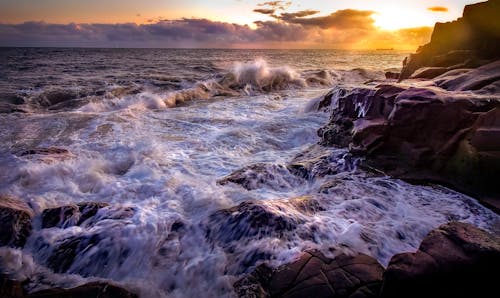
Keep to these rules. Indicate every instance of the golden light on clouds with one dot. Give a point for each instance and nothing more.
(438, 9)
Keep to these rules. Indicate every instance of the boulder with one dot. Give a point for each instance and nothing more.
(455, 260)
(15, 221)
(314, 275)
(10, 288)
(473, 39)
(70, 215)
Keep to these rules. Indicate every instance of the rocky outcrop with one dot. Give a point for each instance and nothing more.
(15, 221)
(314, 275)
(471, 41)
(455, 260)
(431, 132)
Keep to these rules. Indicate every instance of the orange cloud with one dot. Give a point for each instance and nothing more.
(438, 9)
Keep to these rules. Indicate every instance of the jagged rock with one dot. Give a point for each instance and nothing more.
(15, 221)
(455, 260)
(262, 175)
(424, 133)
(66, 216)
(93, 289)
(318, 161)
(258, 219)
(470, 41)
(314, 275)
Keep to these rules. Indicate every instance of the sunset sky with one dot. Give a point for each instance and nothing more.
(353, 24)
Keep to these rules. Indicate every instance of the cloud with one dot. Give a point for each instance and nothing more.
(341, 29)
(282, 5)
(341, 19)
(438, 9)
(264, 11)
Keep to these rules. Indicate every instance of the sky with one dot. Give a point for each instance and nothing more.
(352, 24)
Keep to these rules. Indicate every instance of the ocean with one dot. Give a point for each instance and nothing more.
(152, 132)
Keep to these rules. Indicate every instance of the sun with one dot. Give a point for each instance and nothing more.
(394, 18)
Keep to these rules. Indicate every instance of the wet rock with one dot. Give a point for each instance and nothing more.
(10, 288)
(250, 220)
(472, 40)
(44, 151)
(318, 161)
(262, 175)
(314, 275)
(424, 133)
(259, 219)
(15, 221)
(390, 75)
(455, 260)
(70, 215)
(93, 289)
(429, 72)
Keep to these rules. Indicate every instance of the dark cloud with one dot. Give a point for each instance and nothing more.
(341, 19)
(438, 9)
(264, 11)
(299, 14)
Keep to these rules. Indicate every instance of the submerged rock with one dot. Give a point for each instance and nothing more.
(70, 215)
(262, 175)
(455, 260)
(15, 221)
(470, 41)
(314, 275)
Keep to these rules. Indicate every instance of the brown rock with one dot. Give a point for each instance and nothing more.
(10, 288)
(94, 289)
(455, 260)
(314, 275)
(70, 215)
(15, 221)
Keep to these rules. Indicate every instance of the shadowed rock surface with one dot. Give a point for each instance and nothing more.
(455, 260)
(15, 221)
(471, 41)
(314, 275)
(70, 215)
(10, 288)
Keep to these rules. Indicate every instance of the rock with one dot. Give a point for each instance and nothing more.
(262, 175)
(314, 275)
(258, 219)
(428, 72)
(15, 221)
(70, 215)
(93, 289)
(390, 75)
(472, 40)
(44, 151)
(10, 288)
(425, 133)
(318, 161)
(455, 260)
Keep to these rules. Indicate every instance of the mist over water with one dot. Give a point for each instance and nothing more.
(153, 132)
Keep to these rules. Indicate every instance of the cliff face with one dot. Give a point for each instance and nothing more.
(471, 41)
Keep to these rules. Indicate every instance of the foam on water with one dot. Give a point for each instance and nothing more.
(165, 231)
